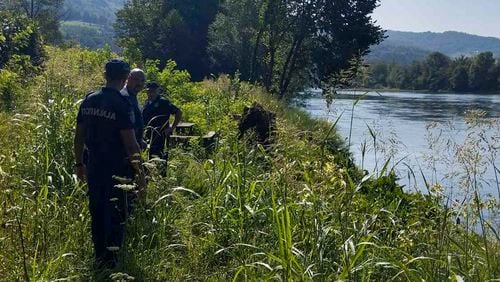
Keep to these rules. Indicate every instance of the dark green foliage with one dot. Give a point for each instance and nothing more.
(19, 41)
(344, 30)
(298, 212)
(165, 30)
(482, 76)
(45, 13)
(437, 72)
(378, 75)
(459, 77)
(384, 188)
(232, 39)
(396, 76)
(287, 44)
(9, 91)
(21, 57)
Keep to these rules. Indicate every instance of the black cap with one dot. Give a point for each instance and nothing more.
(152, 85)
(117, 68)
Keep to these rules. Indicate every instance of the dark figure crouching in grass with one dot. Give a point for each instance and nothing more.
(105, 128)
(156, 114)
(257, 118)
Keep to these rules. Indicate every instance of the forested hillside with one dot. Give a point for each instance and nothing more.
(89, 23)
(387, 53)
(406, 47)
(450, 43)
(101, 12)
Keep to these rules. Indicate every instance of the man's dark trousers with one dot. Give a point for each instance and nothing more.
(158, 141)
(109, 207)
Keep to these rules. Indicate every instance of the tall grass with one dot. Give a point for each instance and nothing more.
(297, 211)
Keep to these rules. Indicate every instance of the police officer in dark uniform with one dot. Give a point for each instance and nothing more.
(105, 128)
(156, 114)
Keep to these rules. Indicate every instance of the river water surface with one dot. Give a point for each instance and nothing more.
(426, 137)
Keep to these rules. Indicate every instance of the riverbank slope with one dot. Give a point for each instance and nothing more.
(299, 210)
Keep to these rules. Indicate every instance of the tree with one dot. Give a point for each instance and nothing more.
(44, 12)
(240, 41)
(459, 76)
(481, 73)
(437, 71)
(417, 74)
(21, 47)
(343, 30)
(459, 80)
(396, 77)
(378, 75)
(168, 30)
(497, 68)
(294, 42)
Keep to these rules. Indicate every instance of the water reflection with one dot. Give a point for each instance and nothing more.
(426, 107)
(402, 122)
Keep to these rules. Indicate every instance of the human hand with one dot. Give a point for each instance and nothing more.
(168, 131)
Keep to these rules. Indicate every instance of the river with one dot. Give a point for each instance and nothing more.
(427, 138)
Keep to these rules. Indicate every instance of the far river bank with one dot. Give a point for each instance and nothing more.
(425, 135)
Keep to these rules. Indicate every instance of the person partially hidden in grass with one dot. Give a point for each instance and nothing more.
(105, 128)
(156, 114)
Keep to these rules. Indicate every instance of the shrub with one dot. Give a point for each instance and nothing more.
(20, 37)
(10, 90)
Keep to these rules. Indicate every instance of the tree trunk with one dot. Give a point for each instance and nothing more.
(253, 64)
(268, 82)
(289, 67)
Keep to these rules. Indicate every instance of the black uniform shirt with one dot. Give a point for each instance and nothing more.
(105, 113)
(156, 113)
(138, 123)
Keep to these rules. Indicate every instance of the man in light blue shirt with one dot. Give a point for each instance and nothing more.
(135, 84)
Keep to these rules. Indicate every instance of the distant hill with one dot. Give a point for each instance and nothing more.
(89, 23)
(399, 54)
(405, 47)
(88, 35)
(101, 12)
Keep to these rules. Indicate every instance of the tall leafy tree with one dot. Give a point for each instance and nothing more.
(21, 47)
(416, 76)
(482, 73)
(459, 74)
(343, 30)
(459, 80)
(378, 75)
(437, 71)
(292, 41)
(45, 12)
(170, 29)
(396, 77)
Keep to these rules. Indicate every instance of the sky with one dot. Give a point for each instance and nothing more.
(481, 17)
